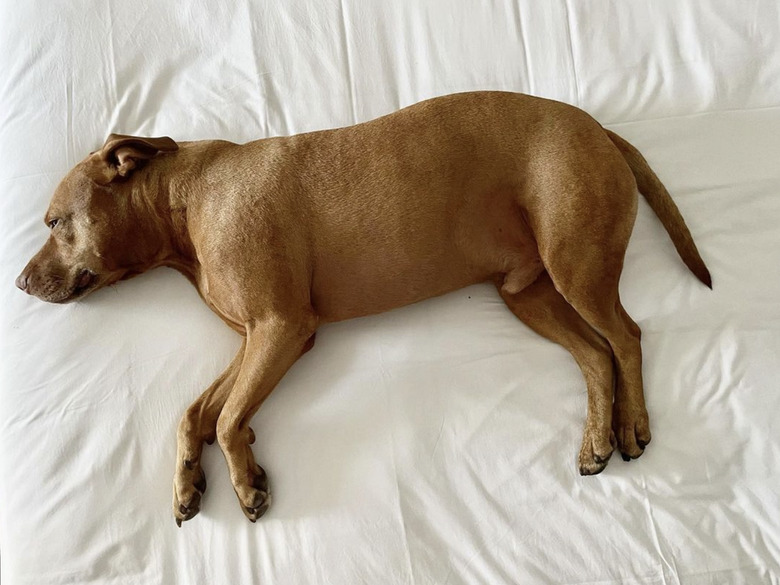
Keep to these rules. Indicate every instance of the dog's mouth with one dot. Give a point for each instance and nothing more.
(85, 281)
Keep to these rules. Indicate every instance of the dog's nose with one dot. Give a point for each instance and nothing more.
(21, 281)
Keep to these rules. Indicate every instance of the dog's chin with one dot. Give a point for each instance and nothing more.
(85, 282)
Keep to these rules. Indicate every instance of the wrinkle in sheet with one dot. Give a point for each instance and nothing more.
(56, 174)
(394, 462)
(438, 439)
(528, 72)
(69, 144)
(346, 50)
(570, 46)
(112, 84)
(497, 404)
(265, 120)
(665, 562)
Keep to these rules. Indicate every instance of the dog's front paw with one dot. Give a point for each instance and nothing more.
(189, 484)
(255, 494)
(632, 429)
(249, 480)
(597, 447)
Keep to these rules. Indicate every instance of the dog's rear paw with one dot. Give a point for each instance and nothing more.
(597, 447)
(189, 484)
(632, 429)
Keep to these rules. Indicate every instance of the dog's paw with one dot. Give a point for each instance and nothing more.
(189, 484)
(254, 495)
(597, 447)
(249, 480)
(632, 429)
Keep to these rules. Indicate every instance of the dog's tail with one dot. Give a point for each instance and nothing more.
(661, 203)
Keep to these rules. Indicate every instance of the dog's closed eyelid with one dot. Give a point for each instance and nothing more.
(58, 220)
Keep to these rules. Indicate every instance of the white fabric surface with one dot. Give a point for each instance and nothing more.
(435, 444)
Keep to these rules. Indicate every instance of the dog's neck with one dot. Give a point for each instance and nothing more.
(163, 187)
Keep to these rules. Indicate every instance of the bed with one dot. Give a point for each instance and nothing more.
(435, 444)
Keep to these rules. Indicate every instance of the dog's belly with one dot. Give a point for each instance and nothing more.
(424, 252)
(353, 289)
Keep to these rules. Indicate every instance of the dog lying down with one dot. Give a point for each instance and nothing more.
(283, 234)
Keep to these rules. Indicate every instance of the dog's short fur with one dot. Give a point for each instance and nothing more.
(284, 234)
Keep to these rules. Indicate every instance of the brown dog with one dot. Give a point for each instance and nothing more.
(283, 234)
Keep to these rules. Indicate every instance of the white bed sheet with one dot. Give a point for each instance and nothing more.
(436, 443)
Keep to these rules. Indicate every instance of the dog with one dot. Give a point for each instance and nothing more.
(284, 234)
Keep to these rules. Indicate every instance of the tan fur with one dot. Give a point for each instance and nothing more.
(284, 234)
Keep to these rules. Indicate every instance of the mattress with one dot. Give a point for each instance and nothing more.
(437, 443)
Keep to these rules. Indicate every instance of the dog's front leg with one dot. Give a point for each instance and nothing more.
(272, 346)
(199, 424)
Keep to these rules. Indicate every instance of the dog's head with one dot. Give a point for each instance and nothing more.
(102, 227)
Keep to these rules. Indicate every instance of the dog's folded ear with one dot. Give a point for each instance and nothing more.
(123, 153)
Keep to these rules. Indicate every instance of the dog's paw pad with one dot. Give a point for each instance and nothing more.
(262, 503)
(189, 485)
(255, 495)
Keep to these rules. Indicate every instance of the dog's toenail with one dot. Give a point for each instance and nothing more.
(625, 457)
(178, 522)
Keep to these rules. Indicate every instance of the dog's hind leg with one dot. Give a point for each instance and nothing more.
(607, 315)
(199, 425)
(544, 310)
(586, 269)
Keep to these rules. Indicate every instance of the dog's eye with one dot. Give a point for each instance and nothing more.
(53, 223)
